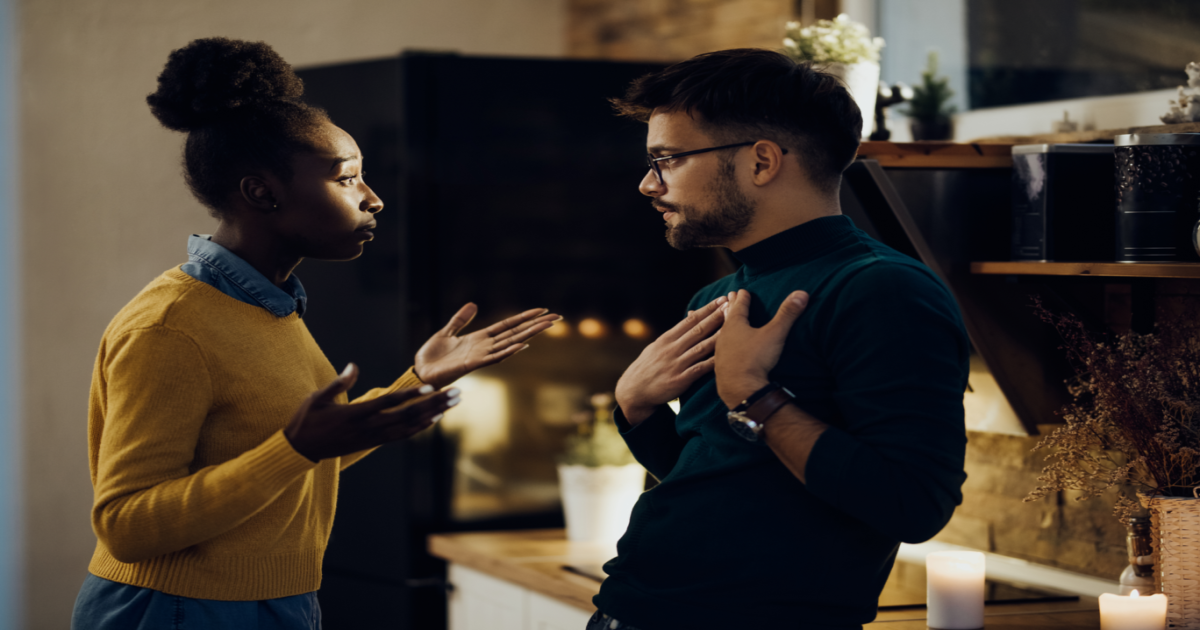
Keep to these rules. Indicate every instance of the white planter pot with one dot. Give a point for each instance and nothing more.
(862, 79)
(597, 501)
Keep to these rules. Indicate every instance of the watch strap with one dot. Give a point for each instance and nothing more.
(767, 404)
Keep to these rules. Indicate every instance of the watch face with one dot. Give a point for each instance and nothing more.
(743, 426)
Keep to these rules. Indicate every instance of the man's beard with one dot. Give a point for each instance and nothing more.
(728, 216)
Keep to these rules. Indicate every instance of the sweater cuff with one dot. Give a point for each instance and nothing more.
(825, 473)
(275, 464)
(407, 380)
(662, 416)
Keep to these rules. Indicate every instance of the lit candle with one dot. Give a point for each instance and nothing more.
(954, 599)
(1133, 612)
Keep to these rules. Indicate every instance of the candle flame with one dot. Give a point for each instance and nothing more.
(1134, 593)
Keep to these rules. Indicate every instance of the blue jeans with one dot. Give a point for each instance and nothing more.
(106, 605)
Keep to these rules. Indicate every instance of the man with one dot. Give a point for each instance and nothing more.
(788, 513)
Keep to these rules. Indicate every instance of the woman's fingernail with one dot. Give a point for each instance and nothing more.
(425, 389)
(454, 392)
(436, 418)
(453, 401)
(346, 372)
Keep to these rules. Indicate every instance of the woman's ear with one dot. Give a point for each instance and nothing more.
(257, 193)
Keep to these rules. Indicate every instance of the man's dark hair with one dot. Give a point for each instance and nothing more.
(239, 102)
(753, 94)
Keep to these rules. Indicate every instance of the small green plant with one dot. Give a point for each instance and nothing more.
(929, 101)
(598, 442)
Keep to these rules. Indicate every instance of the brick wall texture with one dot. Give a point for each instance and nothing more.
(1081, 536)
(672, 30)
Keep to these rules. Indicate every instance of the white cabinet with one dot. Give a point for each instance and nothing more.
(482, 602)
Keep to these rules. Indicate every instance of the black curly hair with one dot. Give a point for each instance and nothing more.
(239, 102)
(751, 94)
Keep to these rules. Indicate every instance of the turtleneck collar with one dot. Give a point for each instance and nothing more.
(807, 241)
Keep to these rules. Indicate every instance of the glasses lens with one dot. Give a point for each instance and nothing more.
(654, 167)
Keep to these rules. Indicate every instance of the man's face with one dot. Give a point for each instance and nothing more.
(700, 197)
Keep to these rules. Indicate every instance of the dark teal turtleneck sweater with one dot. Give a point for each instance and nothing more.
(729, 538)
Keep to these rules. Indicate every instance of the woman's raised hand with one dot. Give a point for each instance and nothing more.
(322, 428)
(447, 356)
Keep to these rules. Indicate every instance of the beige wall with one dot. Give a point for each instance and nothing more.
(104, 209)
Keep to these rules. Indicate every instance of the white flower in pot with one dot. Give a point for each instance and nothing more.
(600, 480)
(845, 49)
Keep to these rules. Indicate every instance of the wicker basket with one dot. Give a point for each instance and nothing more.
(1176, 526)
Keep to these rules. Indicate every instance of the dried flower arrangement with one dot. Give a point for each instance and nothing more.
(1134, 422)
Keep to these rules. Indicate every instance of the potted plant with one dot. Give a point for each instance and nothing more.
(1134, 423)
(599, 478)
(845, 49)
(929, 110)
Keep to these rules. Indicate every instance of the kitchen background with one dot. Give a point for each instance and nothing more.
(92, 204)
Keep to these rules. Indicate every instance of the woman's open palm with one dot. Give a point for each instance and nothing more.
(448, 356)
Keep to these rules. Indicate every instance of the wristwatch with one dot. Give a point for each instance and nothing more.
(748, 418)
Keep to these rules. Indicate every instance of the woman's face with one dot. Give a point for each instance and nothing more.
(327, 211)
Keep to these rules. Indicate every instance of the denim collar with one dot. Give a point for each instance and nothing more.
(228, 267)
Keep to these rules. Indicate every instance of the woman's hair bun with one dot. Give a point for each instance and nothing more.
(211, 78)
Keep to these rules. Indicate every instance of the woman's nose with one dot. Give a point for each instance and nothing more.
(372, 203)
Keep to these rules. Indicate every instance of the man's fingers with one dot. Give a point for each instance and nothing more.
(738, 308)
(791, 309)
(702, 329)
(460, 319)
(693, 318)
(701, 350)
(700, 369)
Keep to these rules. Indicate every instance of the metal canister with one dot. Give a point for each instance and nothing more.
(1158, 197)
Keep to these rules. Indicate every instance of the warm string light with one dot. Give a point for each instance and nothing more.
(594, 328)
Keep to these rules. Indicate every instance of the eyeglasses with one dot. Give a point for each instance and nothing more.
(652, 161)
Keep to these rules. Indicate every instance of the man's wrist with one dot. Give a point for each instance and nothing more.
(732, 394)
(635, 415)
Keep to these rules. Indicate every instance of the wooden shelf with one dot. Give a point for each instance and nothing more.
(937, 154)
(1095, 269)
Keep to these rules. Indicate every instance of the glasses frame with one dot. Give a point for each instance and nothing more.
(652, 161)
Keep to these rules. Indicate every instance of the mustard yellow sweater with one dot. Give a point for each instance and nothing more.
(197, 492)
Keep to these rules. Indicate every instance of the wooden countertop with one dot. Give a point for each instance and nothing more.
(534, 559)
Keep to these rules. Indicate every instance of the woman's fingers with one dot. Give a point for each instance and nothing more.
(392, 400)
(418, 413)
(328, 394)
(461, 319)
(524, 335)
(514, 321)
(510, 333)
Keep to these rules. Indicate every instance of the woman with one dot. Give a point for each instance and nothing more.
(217, 428)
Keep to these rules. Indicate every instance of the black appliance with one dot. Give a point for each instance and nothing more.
(510, 183)
(1158, 197)
(1062, 197)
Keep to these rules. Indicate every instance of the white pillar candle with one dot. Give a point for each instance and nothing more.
(1133, 612)
(954, 596)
